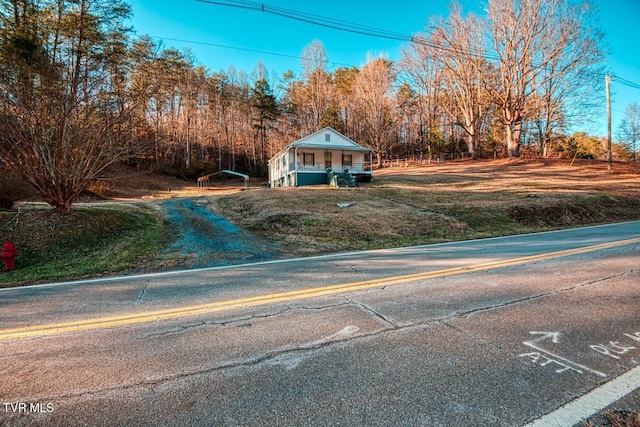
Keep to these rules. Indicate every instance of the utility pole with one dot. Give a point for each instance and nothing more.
(608, 83)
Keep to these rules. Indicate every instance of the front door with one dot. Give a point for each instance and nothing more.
(327, 160)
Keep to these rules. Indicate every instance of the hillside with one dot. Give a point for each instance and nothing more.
(127, 225)
(438, 203)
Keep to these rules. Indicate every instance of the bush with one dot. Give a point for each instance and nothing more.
(12, 189)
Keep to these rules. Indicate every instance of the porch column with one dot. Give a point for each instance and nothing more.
(295, 166)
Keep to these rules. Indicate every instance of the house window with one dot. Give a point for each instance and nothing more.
(327, 137)
(327, 160)
(347, 160)
(308, 159)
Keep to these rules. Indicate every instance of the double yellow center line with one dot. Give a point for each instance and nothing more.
(152, 316)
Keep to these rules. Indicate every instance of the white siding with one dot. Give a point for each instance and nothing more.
(278, 168)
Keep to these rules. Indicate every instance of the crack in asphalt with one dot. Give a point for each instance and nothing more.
(259, 359)
(12, 355)
(376, 314)
(208, 323)
(142, 293)
(239, 322)
(467, 314)
(470, 313)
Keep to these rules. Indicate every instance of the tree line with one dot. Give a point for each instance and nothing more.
(78, 93)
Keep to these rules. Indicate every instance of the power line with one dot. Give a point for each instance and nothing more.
(311, 19)
(357, 29)
(242, 49)
(625, 82)
(344, 26)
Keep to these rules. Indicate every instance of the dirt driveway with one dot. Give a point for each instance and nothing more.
(205, 239)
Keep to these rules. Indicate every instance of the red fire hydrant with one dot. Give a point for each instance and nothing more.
(9, 254)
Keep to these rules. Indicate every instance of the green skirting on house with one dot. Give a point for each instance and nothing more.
(306, 178)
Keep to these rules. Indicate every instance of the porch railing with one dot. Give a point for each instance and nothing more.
(320, 167)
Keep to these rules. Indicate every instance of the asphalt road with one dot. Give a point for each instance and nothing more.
(539, 329)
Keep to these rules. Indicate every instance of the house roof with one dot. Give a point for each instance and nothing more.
(339, 142)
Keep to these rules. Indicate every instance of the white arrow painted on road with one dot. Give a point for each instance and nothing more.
(544, 335)
(554, 337)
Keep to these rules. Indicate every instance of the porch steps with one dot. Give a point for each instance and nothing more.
(341, 179)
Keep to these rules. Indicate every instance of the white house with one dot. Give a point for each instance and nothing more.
(311, 159)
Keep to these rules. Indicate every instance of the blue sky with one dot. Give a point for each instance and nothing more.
(260, 34)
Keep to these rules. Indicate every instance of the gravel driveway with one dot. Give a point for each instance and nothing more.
(206, 239)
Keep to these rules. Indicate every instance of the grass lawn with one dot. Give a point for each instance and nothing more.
(88, 242)
(438, 203)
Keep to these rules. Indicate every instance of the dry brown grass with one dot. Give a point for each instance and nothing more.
(440, 202)
(614, 419)
(539, 176)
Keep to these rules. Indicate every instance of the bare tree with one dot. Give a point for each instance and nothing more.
(518, 29)
(373, 90)
(461, 57)
(424, 75)
(629, 129)
(570, 85)
(65, 108)
(408, 121)
(314, 97)
(314, 58)
(537, 42)
(344, 82)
